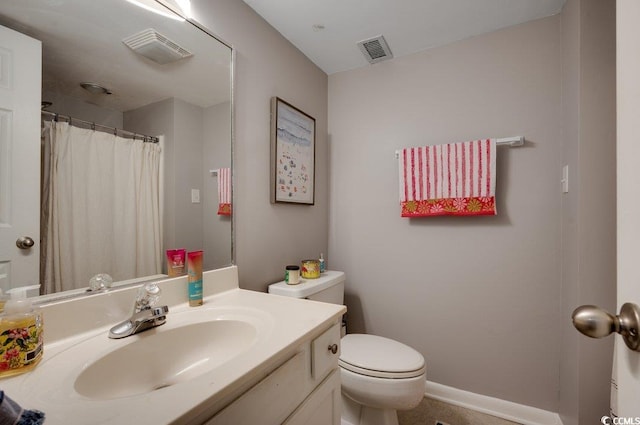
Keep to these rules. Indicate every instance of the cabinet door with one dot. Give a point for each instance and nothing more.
(271, 400)
(322, 407)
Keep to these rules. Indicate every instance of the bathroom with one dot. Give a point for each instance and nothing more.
(487, 300)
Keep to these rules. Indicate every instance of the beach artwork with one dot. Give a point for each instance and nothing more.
(293, 150)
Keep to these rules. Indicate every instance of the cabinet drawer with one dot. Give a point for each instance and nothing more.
(325, 351)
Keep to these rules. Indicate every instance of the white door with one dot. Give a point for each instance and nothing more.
(20, 97)
(628, 192)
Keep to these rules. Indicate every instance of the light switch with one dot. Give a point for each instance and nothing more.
(195, 196)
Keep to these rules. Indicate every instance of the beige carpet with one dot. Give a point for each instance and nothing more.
(429, 411)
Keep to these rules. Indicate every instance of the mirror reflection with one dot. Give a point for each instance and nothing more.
(115, 143)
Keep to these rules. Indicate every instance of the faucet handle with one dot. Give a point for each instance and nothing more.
(148, 296)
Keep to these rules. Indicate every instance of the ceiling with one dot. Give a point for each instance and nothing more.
(409, 26)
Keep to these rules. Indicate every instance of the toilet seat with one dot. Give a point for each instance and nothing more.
(379, 357)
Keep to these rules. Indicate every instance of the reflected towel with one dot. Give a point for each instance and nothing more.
(12, 414)
(450, 179)
(224, 191)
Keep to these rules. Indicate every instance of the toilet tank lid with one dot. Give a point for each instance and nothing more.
(379, 354)
(308, 287)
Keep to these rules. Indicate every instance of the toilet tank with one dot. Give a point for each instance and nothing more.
(328, 288)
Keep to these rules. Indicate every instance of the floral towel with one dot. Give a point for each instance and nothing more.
(451, 179)
(224, 191)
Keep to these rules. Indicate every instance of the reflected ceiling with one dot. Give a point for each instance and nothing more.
(72, 37)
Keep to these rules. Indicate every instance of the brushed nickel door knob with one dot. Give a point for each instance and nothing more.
(594, 322)
(25, 242)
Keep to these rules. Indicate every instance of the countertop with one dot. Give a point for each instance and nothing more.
(285, 324)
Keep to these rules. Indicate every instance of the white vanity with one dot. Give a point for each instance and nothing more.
(244, 357)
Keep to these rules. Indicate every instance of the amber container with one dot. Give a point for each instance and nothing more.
(310, 269)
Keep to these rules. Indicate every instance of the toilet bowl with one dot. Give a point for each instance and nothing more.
(379, 375)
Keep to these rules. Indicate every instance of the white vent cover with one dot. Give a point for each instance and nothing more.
(155, 46)
(375, 49)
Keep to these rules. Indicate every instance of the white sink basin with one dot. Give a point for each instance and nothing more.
(165, 357)
(194, 347)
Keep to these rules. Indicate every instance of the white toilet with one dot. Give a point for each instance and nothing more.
(379, 375)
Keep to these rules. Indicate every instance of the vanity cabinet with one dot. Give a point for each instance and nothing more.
(273, 360)
(304, 390)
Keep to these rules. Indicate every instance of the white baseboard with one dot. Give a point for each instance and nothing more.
(510, 411)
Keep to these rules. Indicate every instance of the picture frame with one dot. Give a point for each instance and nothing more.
(293, 134)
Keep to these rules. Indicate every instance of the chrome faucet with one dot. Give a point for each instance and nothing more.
(145, 315)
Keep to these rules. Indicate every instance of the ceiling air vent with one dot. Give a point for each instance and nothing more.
(375, 49)
(155, 46)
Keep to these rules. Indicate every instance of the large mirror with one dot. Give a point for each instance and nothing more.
(115, 142)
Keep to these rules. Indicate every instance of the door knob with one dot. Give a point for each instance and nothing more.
(597, 323)
(25, 242)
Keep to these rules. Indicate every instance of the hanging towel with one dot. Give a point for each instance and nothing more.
(450, 179)
(224, 191)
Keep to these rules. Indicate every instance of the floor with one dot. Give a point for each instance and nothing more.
(429, 411)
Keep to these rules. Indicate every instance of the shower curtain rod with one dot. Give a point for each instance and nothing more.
(116, 131)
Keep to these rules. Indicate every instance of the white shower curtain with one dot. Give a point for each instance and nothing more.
(102, 212)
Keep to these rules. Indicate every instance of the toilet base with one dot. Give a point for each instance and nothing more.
(357, 414)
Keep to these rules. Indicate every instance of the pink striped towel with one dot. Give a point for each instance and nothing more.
(224, 191)
(451, 179)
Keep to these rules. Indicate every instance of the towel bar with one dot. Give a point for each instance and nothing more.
(512, 142)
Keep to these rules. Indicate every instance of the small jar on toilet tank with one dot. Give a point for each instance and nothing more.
(292, 275)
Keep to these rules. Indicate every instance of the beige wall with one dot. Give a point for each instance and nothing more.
(268, 237)
(216, 154)
(183, 125)
(589, 209)
(188, 162)
(478, 296)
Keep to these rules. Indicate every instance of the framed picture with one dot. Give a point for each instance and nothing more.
(293, 137)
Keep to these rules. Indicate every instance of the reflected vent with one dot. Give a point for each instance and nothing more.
(155, 46)
(375, 49)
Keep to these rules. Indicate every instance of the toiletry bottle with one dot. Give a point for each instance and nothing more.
(176, 260)
(194, 272)
(21, 343)
(322, 266)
